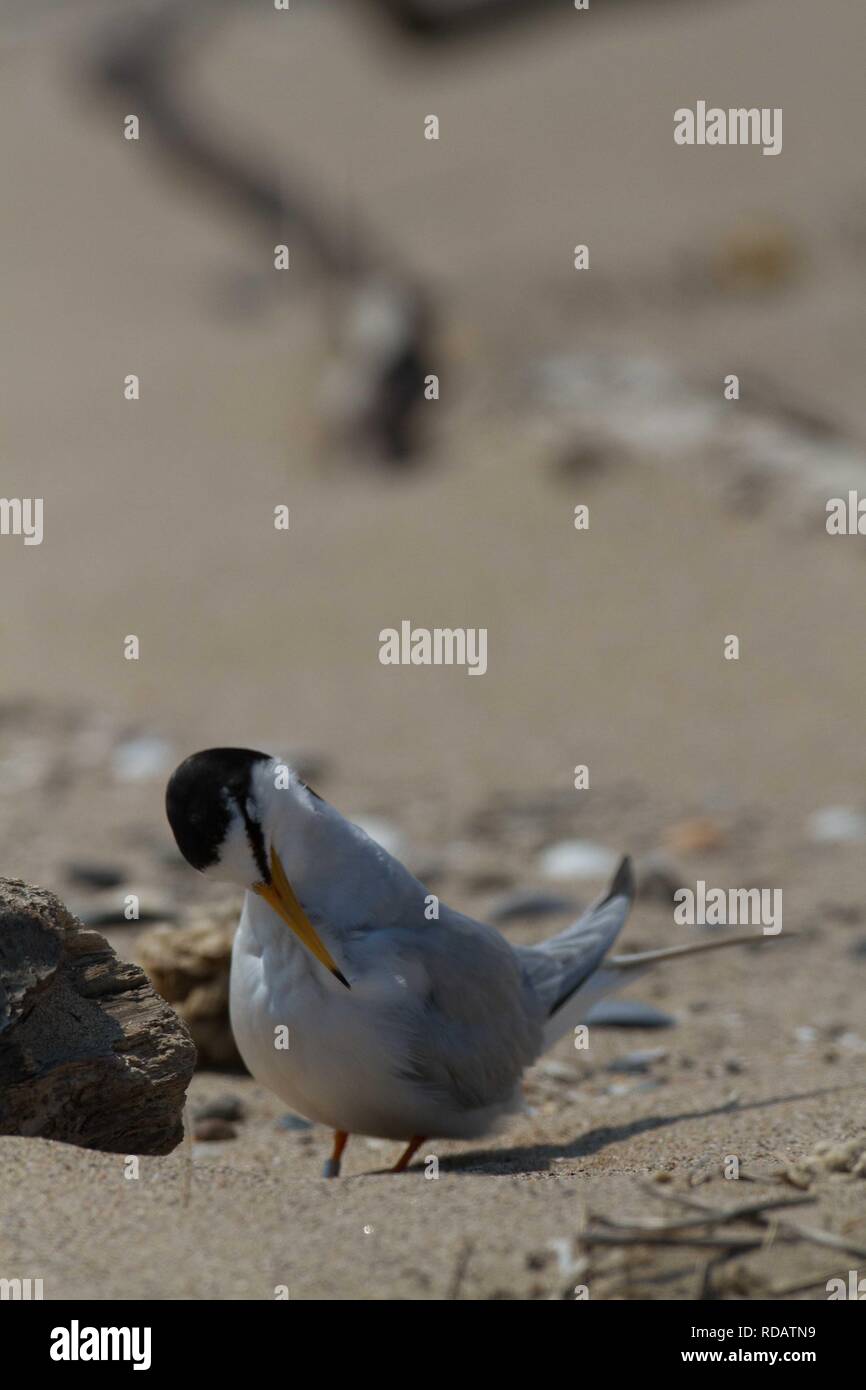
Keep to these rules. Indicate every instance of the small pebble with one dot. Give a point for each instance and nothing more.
(638, 1062)
(293, 1123)
(568, 1265)
(695, 836)
(756, 256)
(95, 875)
(537, 1261)
(222, 1108)
(206, 1131)
(583, 458)
(557, 1070)
(850, 914)
(627, 1013)
(837, 825)
(701, 1176)
(141, 759)
(578, 859)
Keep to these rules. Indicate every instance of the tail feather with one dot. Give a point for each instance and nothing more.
(570, 973)
(557, 968)
(598, 928)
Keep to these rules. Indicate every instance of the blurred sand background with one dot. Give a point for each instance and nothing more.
(605, 647)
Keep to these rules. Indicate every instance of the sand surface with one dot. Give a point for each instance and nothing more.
(605, 647)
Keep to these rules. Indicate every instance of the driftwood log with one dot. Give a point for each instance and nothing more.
(89, 1053)
(373, 394)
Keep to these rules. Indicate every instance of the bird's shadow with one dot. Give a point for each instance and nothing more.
(537, 1158)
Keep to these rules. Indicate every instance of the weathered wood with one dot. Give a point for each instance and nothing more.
(89, 1053)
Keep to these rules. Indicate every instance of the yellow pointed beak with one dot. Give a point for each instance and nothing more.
(280, 895)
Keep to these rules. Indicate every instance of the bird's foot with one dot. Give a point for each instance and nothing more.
(408, 1153)
(331, 1168)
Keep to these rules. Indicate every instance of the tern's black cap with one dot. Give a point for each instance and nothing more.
(198, 803)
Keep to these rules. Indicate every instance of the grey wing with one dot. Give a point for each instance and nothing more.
(475, 1029)
(558, 967)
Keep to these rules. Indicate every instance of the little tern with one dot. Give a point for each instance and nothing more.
(349, 998)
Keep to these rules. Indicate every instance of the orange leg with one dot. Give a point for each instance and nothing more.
(332, 1164)
(408, 1154)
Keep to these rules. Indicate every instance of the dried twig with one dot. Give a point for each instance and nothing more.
(759, 1212)
(733, 1243)
(709, 1216)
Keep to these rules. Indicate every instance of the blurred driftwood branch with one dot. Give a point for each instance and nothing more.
(383, 327)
